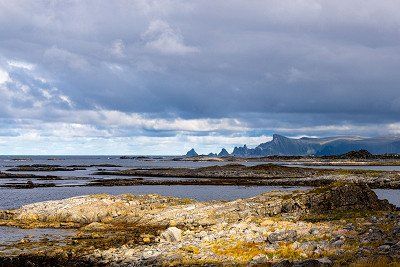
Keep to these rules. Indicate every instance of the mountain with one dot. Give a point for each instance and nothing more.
(223, 153)
(191, 153)
(284, 146)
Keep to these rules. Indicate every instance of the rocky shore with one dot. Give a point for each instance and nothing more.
(339, 224)
(230, 174)
(265, 174)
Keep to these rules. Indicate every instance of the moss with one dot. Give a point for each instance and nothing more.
(287, 251)
(240, 251)
(378, 262)
(191, 249)
(348, 216)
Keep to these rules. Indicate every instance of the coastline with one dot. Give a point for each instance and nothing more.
(322, 226)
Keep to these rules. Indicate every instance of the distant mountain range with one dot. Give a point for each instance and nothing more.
(284, 146)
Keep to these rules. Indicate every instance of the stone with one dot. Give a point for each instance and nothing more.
(150, 254)
(172, 234)
(384, 248)
(287, 236)
(338, 243)
(323, 262)
(95, 226)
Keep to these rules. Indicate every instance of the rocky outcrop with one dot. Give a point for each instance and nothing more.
(337, 224)
(191, 153)
(223, 153)
(284, 146)
(159, 211)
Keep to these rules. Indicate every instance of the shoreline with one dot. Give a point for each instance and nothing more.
(322, 226)
(230, 174)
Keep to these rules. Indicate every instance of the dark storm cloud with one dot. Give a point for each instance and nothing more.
(271, 65)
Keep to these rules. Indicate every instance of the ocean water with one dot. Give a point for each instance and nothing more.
(71, 184)
(341, 167)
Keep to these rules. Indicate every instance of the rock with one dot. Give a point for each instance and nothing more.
(223, 153)
(95, 226)
(287, 236)
(349, 227)
(396, 231)
(284, 263)
(150, 254)
(338, 243)
(172, 234)
(259, 260)
(346, 197)
(323, 262)
(313, 231)
(373, 235)
(191, 153)
(384, 248)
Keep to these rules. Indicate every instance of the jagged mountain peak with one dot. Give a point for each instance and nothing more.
(191, 153)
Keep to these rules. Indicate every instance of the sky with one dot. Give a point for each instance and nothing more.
(160, 77)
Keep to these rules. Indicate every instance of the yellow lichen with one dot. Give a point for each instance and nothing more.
(240, 251)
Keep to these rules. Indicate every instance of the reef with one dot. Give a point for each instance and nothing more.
(339, 224)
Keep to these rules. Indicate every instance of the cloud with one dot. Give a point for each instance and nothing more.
(117, 48)
(164, 39)
(4, 77)
(59, 56)
(173, 73)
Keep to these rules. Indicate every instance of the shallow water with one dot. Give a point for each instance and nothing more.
(9, 235)
(151, 162)
(14, 198)
(372, 168)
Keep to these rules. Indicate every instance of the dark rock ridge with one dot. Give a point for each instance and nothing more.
(191, 153)
(281, 145)
(223, 153)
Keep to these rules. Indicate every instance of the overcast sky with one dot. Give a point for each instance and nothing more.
(160, 77)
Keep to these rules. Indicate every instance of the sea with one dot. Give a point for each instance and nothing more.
(73, 182)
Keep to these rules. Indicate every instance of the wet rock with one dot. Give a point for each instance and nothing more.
(396, 231)
(172, 234)
(346, 197)
(373, 235)
(284, 263)
(324, 262)
(384, 248)
(287, 236)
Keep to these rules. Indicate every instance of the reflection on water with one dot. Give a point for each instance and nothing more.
(393, 195)
(341, 167)
(14, 198)
(9, 235)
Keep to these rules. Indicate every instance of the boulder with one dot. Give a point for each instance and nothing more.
(172, 234)
(287, 236)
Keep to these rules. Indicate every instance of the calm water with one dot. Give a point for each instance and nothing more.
(13, 198)
(373, 168)
(8, 235)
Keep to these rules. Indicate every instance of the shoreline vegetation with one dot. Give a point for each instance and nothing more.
(340, 224)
